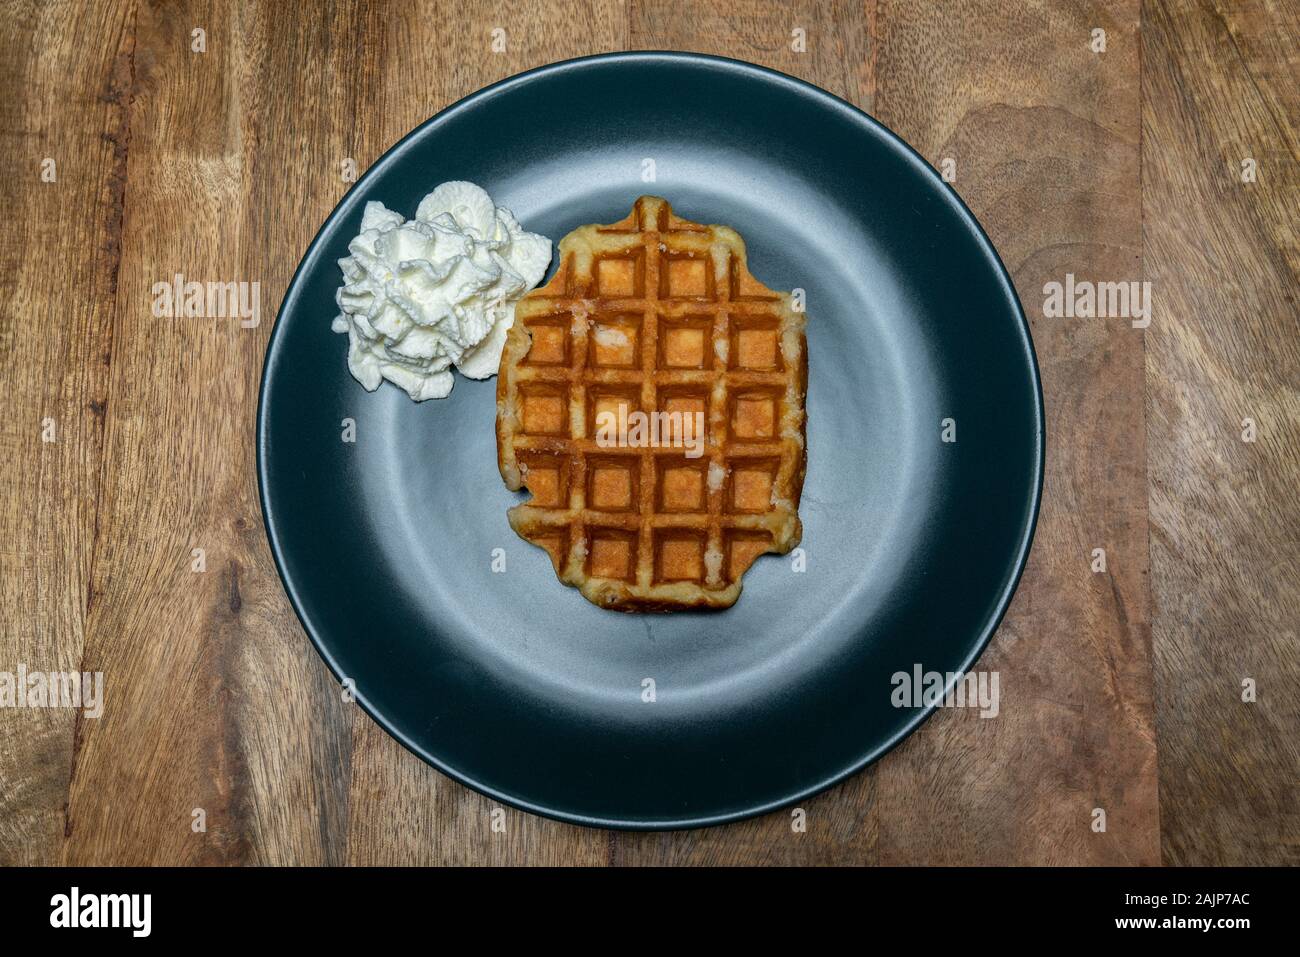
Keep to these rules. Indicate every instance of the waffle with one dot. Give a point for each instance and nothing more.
(654, 314)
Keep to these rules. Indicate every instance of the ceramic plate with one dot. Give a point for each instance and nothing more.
(912, 546)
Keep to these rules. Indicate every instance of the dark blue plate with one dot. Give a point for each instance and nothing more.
(514, 684)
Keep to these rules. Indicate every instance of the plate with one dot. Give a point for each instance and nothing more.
(396, 553)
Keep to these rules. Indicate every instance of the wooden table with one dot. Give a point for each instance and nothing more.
(128, 439)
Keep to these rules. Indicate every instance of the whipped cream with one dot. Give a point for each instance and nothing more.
(439, 290)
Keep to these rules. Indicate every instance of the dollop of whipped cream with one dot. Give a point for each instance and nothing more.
(439, 290)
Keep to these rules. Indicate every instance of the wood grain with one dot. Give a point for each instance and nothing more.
(1075, 732)
(221, 164)
(215, 705)
(1221, 86)
(65, 101)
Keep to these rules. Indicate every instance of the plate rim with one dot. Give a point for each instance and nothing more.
(737, 67)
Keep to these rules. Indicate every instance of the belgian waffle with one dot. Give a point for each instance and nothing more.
(654, 314)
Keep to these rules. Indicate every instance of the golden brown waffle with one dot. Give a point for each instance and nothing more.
(656, 314)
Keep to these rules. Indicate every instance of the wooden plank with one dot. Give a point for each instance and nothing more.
(1045, 136)
(828, 43)
(1222, 85)
(216, 700)
(64, 99)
